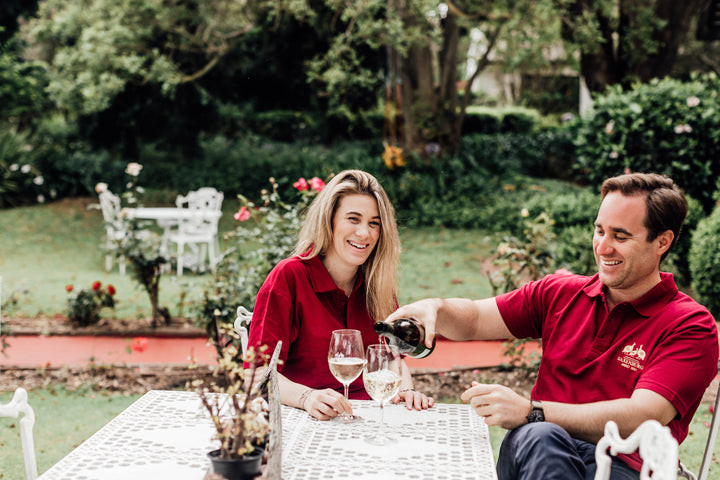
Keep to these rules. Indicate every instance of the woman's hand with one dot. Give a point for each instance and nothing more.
(325, 404)
(413, 399)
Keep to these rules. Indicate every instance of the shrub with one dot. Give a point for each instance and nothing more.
(265, 234)
(519, 120)
(704, 262)
(665, 126)
(481, 120)
(84, 305)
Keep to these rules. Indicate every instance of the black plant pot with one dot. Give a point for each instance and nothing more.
(245, 468)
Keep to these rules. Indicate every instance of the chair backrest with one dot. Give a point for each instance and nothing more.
(274, 464)
(110, 206)
(199, 202)
(19, 404)
(712, 438)
(656, 445)
(242, 325)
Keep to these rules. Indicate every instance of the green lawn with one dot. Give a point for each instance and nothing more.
(63, 420)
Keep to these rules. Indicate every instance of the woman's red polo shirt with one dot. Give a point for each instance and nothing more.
(300, 304)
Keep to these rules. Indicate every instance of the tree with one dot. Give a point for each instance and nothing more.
(622, 41)
(95, 48)
(425, 42)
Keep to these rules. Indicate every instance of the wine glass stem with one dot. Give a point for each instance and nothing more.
(347, 387)
(381, 435)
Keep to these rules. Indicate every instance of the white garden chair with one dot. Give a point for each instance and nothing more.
(115, 229)
(197, 228)
(656, 445)
(709, 446)
(242, 325)
(19, 404)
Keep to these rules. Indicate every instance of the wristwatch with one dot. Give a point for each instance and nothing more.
(536, 414)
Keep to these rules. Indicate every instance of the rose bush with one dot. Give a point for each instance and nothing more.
(84, 306)
(266, 233)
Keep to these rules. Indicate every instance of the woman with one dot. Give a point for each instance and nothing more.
(342, 274)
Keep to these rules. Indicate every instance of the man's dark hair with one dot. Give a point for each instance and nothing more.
(666, 203)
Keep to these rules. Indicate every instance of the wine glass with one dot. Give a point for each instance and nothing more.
(346, 359)
(382, 379)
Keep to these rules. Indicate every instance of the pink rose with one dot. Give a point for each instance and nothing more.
(242, 215)
(301, 184)
(317, 184)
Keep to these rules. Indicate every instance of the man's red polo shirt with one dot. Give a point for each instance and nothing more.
(300, 304)
(664, 342)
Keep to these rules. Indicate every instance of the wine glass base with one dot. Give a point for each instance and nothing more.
(347, 418)
(381, 441)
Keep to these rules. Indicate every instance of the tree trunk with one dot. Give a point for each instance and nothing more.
(679, 15)
(430, 93)
(627, 58)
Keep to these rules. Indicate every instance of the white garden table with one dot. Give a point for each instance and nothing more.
(166, 434)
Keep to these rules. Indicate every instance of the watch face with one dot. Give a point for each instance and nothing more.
(536, 416)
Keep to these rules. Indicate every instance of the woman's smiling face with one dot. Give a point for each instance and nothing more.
(356, 230)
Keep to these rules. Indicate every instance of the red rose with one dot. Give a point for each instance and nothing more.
(317, 184)
(68, 288)
(111, 290)
(140, 344)
(301, 184)
(96, 286)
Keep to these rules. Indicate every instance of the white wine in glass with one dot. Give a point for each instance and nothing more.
(346, 359)
(382, 377)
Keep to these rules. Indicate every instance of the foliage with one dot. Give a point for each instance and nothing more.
(266, 233)
(21, 88)
(522, 260)
(95, 49)
(484, 120)
(84, 305)
(704, 262)
(235, 405)
(21, 182)
(622, 41)
(665, 126)
(425, 39)
(141, 251)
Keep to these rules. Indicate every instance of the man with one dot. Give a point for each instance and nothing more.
(622, 345)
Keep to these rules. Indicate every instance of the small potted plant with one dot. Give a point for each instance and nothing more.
(239, 413)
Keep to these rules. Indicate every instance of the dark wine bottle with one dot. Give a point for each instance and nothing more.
(407, 334)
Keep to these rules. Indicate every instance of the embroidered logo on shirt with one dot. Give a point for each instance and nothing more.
(632, 358)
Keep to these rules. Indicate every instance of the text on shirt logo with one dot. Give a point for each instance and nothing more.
(632, 357)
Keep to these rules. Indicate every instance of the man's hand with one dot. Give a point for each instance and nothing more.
(424, 311)
(498, 405)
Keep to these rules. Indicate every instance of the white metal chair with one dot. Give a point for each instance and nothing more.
(115, 229)
(709, 446)
(198, 228)
(242, 325)
(19, 404)
(656, 445)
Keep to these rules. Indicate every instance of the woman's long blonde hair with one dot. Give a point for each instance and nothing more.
(381, 267)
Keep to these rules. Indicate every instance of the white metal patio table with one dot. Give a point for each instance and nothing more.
(167, 434)
(165, 217)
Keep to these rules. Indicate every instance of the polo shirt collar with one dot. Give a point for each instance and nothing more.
(647, 305)
(320, 278)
